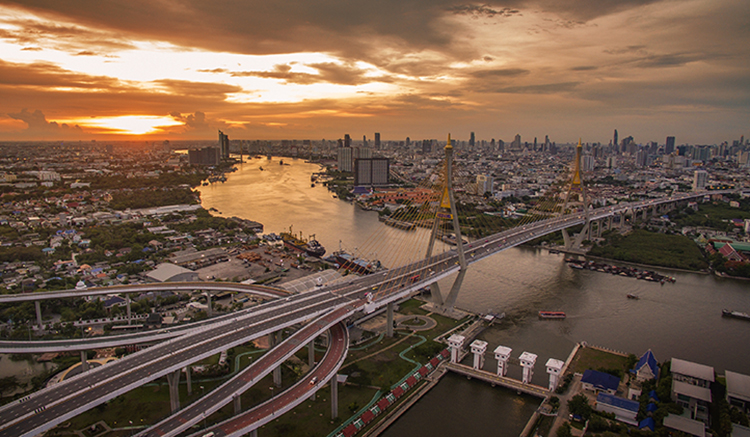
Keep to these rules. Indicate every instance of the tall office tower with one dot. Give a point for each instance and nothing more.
(371, 171)
(484, 184)
(669, 148)
(500, 146)
(471, 140)
(700, 179)
(492, 144)
(516, 145)
(616, 144)
(534, 144)
(364, 140)
(347, 140)
(345, 157)
(640, 158)
(546, 143)
(587, 163)
(408, 142)
(426, 146)
(224, 145)
(377, 140)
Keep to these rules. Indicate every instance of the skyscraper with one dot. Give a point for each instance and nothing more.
(669, 148)
(471, 140)
(614, 142)
(347, 140)
(377, 140)
(224, 145)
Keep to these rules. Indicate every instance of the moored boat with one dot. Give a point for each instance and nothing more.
(551, 315)
(735, 314)
(633, 296)
(310, 246)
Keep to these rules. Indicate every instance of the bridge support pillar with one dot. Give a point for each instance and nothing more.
(127, 306)
(236, 400)
(528, 360)
(335, 397)
(38, 308)
(478, 348)
(189, 380)
(209, 310)
(502, 354)
(389, 321)
(455, 342)
(311, 353)
(84, 362)
(273, 340)
(174, 389)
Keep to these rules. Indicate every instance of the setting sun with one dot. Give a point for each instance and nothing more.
(126, 124)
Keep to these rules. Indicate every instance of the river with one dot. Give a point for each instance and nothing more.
(681, 320)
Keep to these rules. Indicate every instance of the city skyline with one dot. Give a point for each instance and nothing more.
(184, 70)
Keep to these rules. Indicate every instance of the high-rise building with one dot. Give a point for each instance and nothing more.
(640, 158)
(472, 139)
(587, 163)
(347, 140)
(516, 145)
(345, 159)
(371, 171)
(408, 142)
(426, 146)
(224, 145)
(614, 141)
(377, 140)
(205, 156)
(669, 147)
(484, 184)
(700, 180)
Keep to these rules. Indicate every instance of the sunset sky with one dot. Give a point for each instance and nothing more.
(306, 69)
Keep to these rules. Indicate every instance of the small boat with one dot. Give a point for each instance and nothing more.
(551, 315)
(261, 168)
(735, 314)
(633, 296)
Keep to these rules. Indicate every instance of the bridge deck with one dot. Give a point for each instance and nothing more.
(492, 378)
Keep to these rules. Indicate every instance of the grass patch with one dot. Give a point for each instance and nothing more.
(654, 249)
(590, 358)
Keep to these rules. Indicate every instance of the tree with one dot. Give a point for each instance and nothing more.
(564, 430)
(579, 406)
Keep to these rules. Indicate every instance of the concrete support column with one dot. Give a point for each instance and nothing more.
(209, 310)
(253, 433)
(84, 362)
(554, 367)
(389, 320)
(38, 308)
(311, 353)
(273, 340)
(335, 397)
(174, 389)
(189, 380)
(127, 306)
(236, 400)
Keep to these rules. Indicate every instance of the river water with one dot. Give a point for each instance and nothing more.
(681, 320)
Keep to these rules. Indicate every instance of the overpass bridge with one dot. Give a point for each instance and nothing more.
(44, 409)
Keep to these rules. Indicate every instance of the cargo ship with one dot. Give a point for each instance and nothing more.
(735, 314)
(310, 246)
(551, 315)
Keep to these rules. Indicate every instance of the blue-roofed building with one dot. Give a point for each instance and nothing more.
(596, 381)
(647, 367)
(624, 410)
(647, 423)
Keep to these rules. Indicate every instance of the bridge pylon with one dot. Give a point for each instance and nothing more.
(576, 187)
(446, 211)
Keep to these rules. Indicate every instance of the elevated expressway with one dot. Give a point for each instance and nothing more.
(46, 408)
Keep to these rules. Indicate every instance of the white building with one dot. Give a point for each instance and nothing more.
(700, 180)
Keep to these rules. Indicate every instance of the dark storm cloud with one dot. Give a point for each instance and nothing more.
(36, 123)
(328, 72)
(43, 74)
(350, 29)
(69, 38)
(548, 88)
(504, 72)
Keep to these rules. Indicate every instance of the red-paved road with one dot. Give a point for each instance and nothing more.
(264, 413)
(224, 394)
